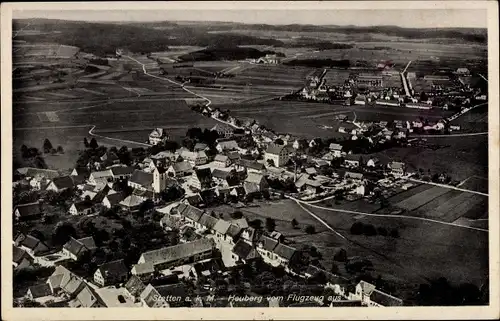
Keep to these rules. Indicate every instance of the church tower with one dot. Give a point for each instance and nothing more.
(159, 179)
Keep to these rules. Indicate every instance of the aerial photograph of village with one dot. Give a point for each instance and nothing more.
(168, 160)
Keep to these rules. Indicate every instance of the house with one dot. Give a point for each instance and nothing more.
(30, 172)
(121, 172)
(179, 254)
(87, 298)
(207, 269)
(351, 161)
(82, 208)
(206, 222)
(336, 149)
(65, 281)
(227, 145)
(171, 222)
(372, 297)
(194, 158)
(141, 180)
(143, 271)
(243, 252)
(221, 161)
(111, 273)
(112, 200)
(360, 100)
(397, 168)
(352, 175)
(373, 162)
(201, 179)
(134, 286)
(20, 259)
(132, 202)
(224, 131)
(180, 169)
(200, 147)
(311, 171)
(283, 255)
(251, 166)
(277, 155)
(194, 200)
(39, 293)
(233, 233)
(463, 71)
(158, 135)
(62, 183)
(255, 183)
(250, 235)
(152, 299)
(29, 211)
(100, 176)
(77, 171)
(75, 248)
(265, 247)
(220, 229)
(190, 213)
(31, 244)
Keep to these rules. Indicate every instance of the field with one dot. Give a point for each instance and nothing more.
(423, 251)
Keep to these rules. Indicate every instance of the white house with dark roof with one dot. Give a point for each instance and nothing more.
(370, 296)
(180, 169)
(158, 135)
(75, 248)
(194, 158)
(283, 255)
(279, 155)
(111, 273)
(226, 145)
(112, 200)
(255, 183)
(351, 160)
(82, 208)
(29, 211)
(397, 169)
(224, 131)
(336, 149)
(180, 254)
(221, 161)
(32, 245)
(39, 293)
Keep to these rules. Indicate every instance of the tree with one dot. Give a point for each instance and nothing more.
(60, 150)
(369, 230)
(394, 233)
(357, 228)
(335, 268)
(341, 255)
(236, 215)
(93, 143)
(62, 233)
(270, 162)
(310, 229)
(53, 151)
(256, 224)
(24, 151)
(294, 223)
(382, 231)
(47, 146)
(279, 141)
(270, 224)
(85, 142)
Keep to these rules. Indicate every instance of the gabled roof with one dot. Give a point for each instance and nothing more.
(200, 146)
(194, 199)
(143, 268)
(268, 243)
(88, 298)
(101, 174)
(233, 230)
(351, 157)
(135, 286)
(228, 144)
(244, 250)
(172, 253)
(385, 299)
(158, 133)
(40, 290)
(74, 246)
(113, 269)
(251, 164)
(334, 146)
(251, 187)
(18, 254)
(122, 170)
(182, 166)
(284, 251)
(31, 242)
(190, 212)
(207, 221)
(353, 175)
(241, 222)
(115, 198)
(254, 178)
(221, 158)
(80, 206)
(204, 176)
(396, 165)
(132, 201)
(221, 226)
(220, 173)
(29, 209)
(275, 149)
(142, 178)
(63, 182)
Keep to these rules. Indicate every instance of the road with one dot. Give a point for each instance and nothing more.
(382, 215)
(91, 133)
(483, 77)
(445, 186)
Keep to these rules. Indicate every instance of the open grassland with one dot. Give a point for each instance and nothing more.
(423, 251)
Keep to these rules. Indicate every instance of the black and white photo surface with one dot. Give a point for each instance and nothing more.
(335, 156)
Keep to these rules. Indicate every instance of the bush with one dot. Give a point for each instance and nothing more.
(369, 230)
(294, 223)
(310, 229)
(382, 231)
(340, 256)
(357, 228)
(394, 233)
(236, 215)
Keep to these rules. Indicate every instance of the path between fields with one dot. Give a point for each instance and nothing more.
(446, 186)
(184, 88)
(379, 215)
(91, 133)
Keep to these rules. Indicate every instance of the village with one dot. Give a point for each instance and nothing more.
(247, 164)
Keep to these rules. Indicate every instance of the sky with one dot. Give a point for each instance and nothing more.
(414, 18)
